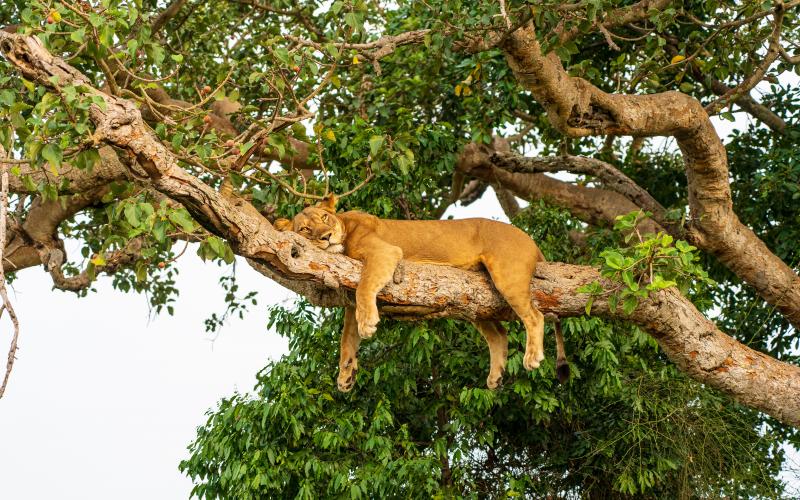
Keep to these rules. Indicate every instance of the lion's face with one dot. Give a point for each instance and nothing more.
(320, 225)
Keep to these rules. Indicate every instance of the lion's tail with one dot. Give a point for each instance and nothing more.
(562, 367)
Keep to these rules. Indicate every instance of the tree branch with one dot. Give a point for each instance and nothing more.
(578, 108)
(7, 306)
(611, 178)
(621, 16)
(167, 15)
(598, 207)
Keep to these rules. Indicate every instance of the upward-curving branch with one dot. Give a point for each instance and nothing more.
(578, 108)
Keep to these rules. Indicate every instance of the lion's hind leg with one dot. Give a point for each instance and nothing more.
(348, 355)
(512, 278)
(496, 337)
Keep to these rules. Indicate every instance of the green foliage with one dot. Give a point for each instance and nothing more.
(648, 266)
(420, 422)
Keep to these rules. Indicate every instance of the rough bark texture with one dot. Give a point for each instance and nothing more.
(598, 207)
(693, 342)
(578, 108)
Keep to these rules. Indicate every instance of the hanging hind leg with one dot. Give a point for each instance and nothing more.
(512, 278)
(496, 337)
(348, 353)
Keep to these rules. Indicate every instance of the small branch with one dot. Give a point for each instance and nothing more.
(504, 13)
(167, 15)
(12, 351)
(773, 52)
(607, 35)
(375, 50)
(789, 59)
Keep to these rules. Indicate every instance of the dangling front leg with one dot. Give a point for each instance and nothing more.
(348, 355)
(380, 260)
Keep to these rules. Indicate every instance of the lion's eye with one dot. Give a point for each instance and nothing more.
(325, 217)
(304, 230)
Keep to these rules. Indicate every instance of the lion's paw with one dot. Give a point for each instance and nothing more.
(347, 374)
(494, 381)
(367, 321)
(346, 381)
(532, 360)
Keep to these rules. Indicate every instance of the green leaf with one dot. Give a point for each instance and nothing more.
(375, 143)
(351, 19)
(629, 304)
(627, 277)
(53, 154)
(182, 219)
(660, 283)
(684, 247)
(614, 259)
(86, 159)
(332, 50)
(7, 97)
(132, 215)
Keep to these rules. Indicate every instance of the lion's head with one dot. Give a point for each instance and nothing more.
(318, 224)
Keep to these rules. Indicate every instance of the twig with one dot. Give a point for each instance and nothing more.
(504, 13)
(12, 351)
(790, 59)
(772, 54)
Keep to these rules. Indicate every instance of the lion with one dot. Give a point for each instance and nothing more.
(507, 253)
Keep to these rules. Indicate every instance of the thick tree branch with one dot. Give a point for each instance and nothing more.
(693, 342)
(578, 108)
(611, 178)
(598, 207)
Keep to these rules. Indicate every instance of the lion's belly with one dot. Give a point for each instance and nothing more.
(472, 263)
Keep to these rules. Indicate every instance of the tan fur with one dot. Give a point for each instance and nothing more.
(507, 253)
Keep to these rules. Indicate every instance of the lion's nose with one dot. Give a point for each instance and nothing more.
(326, 236)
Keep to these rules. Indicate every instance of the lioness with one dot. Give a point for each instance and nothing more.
(507, 253)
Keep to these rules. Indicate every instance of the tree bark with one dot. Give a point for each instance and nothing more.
(426, 291)
(578, 108)
(595, 206)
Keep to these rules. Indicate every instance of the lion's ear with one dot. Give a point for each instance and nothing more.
(328, 203)
(282, 224)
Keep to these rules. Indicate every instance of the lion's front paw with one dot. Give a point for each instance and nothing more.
(367, 319)
(532, 359)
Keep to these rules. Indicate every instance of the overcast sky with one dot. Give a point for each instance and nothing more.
(104, 400)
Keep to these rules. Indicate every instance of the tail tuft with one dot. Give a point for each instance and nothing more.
(562, 371)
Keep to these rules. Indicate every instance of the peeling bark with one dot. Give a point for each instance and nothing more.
(426, 291)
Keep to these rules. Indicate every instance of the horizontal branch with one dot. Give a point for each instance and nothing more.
(690, 340)
(595, 206)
